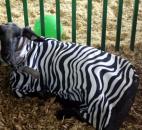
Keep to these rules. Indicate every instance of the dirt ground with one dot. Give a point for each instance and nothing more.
(35, 114)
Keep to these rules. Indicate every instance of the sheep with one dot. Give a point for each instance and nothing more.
(93, 85)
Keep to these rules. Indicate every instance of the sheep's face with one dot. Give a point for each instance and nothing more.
(10, 35)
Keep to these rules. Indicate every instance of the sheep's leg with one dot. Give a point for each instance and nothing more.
(70, 109)
(68, 113)
(68, 103)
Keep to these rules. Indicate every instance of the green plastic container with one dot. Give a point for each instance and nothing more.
(50, 26)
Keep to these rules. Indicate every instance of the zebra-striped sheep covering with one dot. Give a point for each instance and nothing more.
(97, 79)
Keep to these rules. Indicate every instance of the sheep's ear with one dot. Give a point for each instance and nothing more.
(27, 32)
(28, 27)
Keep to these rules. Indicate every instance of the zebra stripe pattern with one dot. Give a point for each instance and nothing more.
(97, 79)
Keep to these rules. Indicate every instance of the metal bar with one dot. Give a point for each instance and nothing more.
(89, 19)
(119, 22)
(58, 19)
(41, 2)
(104, 22)
(74, 21)
(25, 9)
(8, 10)
(134, 24)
